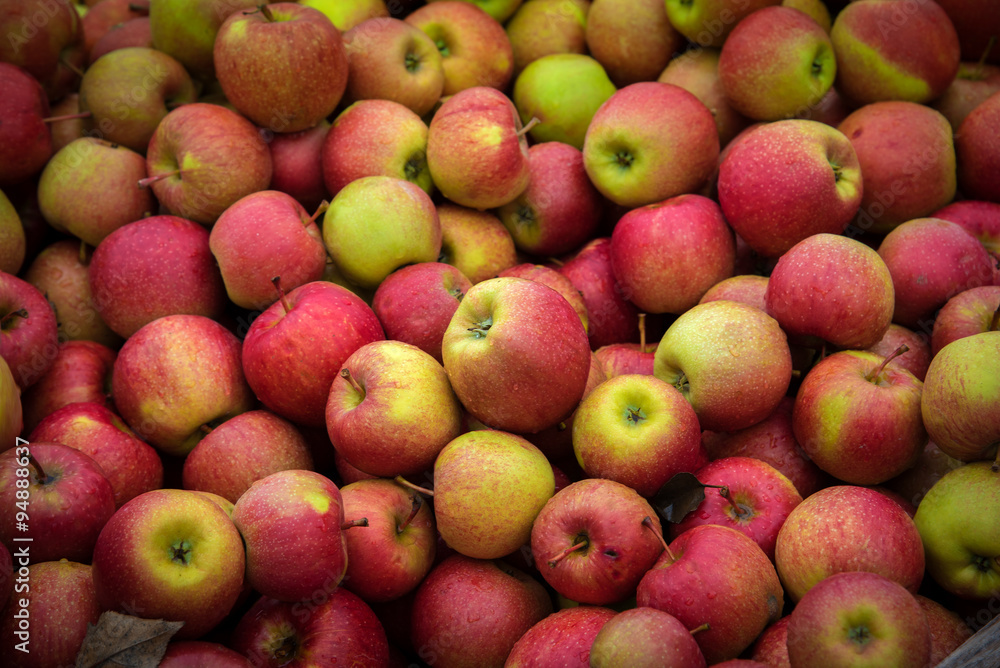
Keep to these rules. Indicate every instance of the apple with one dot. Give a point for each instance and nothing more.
(187, 30)
(709, 22)
(297, 163)
(475, 242)
(295, 348)
(636, 152)
(170, 554)
(916, 360)
(634, 41)
(563, 638)
(543, 28)
(979, 151)
(516, 354)
(12, 239)
(27, 144)
(389, 59)
(95, 24)
(618, 359)
(847, 528)
(947, 629)
(10, 410)
(771, 646)
(982, 220)
(200, 653)
(972, 85)
(45, 39)
(854, 306)
(858, 618)
(132, 33)
(501, 10)
(29, 338)
(730, 360)
(787, 181)
(970, 312)
(975, 22)
(129, 91)
(346, 14)
(748, 289)
(471, 612)
(242, 450)
(815, 9)
(645, 637)
(553, 279)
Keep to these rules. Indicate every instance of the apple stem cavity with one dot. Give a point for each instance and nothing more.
(67, 117)
(581, 544)
(320, 210)
(873, 376)
(698, 629)
(285, 304)
(417, 504)
(150, 180)
(345, 373)
(647, 522)
(416, 488)
(481, 328)
(530, 124)
(737, 508)
(350, 524)
(181, 552)
(6, 320)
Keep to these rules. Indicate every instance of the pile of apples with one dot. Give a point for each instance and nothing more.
(499, 333)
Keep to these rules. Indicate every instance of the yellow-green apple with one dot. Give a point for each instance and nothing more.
(886, 51)
(748, 289)
(297, 164)
(634, 41)
(391, 556)
(155, 267)
(543, 28)
(959, 403)
(930, 261)
(645, 638)
(70, 501)
(475, 50)
(650, 258)
(611, 318)
(563, 638)
(294, 350)
(198, 653)
(471, 612)
(833, 288)
(10, 409)
(170, 554)
(516, 354)
(376, 224)
(335, 628)
(771, 646)
(972, 85)
(476, 150)
(948, 630)
(95, 24)
(481, 476)
(982, 220)
(776, 64)
(789, 180)
(88, 189)
(978, 150)
(475, 242)
(391, 409)
(241, 451)
(637, 430)
(130, 465)
(858, 619)
(376, 138)
(917, 358)
(292, 523)
(715, 575)
(814, 9)
(175, 375)
(973, 311)
(27, 143)
(591, 544)
(857, 416)
(560, 209)
(501, 10)
(907, 159)
(552, 278)
(187, 30)
(346, 14)
(132, 33)
(263, 235)
(697, 71)
(753, 497)
(563, 91)
(650, 141)
(283, 66)
(847, 528)
(390, 59)
(47, 623)
(60, 271)
(12, 239)
(45, 39)
(128, 92)
(190, 159)
(29, 338)
(730, 360)
(415, 303)
(709, 22)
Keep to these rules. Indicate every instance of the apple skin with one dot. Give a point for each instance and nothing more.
(132, 33)
(346, 14)
(697, 71)
(547, 27)
(135, 571)
(553, 279)
(733, 584)
(709, 22)
(563, 638)
(847, 528)
(287, 370)
(46, 40)
(97, 23)
(637, 430)
(947, 629)
(645, 638)
(13, 243)
(730, 360)
(470, 612)
(916, 360)
(618, 359)
(771, 646)
(968, 313)
(242, 450)
(619, 548)
(776, 64)
(857, 301)
(187, 30)
(972, 85)
(70, 504)
(296, 158)
(516, 354)
(748, 289)
(774, 183)
(261, 236)
(649, 258)
(27, 143)
(978, 150)
(886, 52)
(475, 242)
(10, 410)
(29, 344)
(850, 618)
(201, 654)
(636, 154)
(982, 220)
(633, 40)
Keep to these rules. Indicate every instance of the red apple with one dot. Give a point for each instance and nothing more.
(297, 164)
(46, 40)
(26, 142)
(746, 288)
(978, 151)
(916, 360)
(81, 372)
(982, 220)
(201, 654)
(29, 339)
(646, 637)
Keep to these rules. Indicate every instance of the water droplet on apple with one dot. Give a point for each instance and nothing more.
(711, 595)
(689, 601)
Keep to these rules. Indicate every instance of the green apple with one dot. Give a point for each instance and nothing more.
(475, 242)
(346, 14)
(709, 22)
(12, 240)
(501, 10)
(10, 408)
(186, 30)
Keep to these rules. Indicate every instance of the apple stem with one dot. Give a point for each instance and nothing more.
(995, 322)
(642, 332)
(557, 262)
(648, 523)
(19, 313)
(416, 488)
(417, 503)
(150, 180)
(724, 493)
(281, 294)
(205, 429)
(67, 117)
(554, 561)
(878, 370)
(42, 477)
(532, 123)
(266, 11)
(986, 54)
(346, 373)
(360, 522)
(71, 67)
(796, 373)
(698, 629)
(84, 260)
(323, 206)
